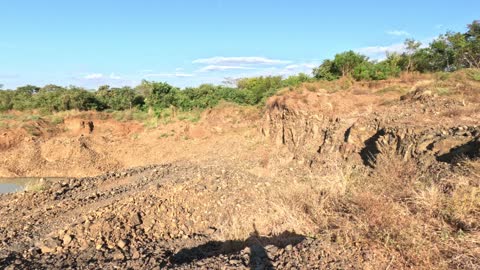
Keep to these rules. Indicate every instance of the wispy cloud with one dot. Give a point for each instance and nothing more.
(95, 79)
(114, 77)
(232, 61)
(379, 52)
(96, 76)
(398, 33)
(169, 75)
(301, 66)
(211, 68)
(93, 76)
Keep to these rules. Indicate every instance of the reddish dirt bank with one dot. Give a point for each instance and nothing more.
(69, 149)
(319, 179)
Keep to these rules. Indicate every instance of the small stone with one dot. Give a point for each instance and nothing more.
(118, 256)
(67, 239)
(45, 249)
(121, 244)
(135, 254)
(234, 262)
(135, 220)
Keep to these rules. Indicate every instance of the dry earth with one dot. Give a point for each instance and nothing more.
(373, 177)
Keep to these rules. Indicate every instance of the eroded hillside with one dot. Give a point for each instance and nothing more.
(381, 176)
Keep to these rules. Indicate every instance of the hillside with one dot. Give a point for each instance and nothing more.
(327, 175)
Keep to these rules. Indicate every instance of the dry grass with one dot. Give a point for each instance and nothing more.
(397, 209)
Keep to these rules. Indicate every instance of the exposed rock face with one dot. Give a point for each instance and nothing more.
(313, 133)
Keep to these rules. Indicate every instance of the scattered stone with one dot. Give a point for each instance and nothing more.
(67, 239)
(122, 244)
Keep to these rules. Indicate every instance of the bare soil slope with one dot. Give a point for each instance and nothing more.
(370, 177)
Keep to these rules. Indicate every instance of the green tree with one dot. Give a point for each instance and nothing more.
(6, 100)
(411, 47)
(259, 88)
(23, 97)
(159, 94)
(346, 62)
(326, 71)
(118, 98)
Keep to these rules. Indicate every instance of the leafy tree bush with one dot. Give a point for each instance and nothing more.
(259, 88)
(346, 62)
(23, 97)
(119, 98)
(295, 80)
(326, 71)
(6, 100)
(160, 94)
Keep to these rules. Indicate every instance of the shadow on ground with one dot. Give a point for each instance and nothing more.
(258, 258)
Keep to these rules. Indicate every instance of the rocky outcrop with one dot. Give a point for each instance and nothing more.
(312, 134)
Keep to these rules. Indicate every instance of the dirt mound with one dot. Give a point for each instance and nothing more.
(346, 180)
(316, 126)
(69, 149)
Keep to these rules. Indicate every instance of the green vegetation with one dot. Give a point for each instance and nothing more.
(447, 53)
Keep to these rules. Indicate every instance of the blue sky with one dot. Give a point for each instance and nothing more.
(188, 42)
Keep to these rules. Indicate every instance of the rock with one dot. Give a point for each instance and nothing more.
(118, 256)
(122, 244)
(234, 262)
(135, 219)
(45, 249)
(67, 239)
(135, 254)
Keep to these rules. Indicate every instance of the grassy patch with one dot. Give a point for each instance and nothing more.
(36, 185)
(442, 76)
(57, 120)
(151, 123)
(7, 116)
(32, 130)
(443, 91)
(392, 89)
(473, 74)
(31, 118)
(193, 116)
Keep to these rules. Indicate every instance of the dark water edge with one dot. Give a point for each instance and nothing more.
(10, 188)
(17, 184)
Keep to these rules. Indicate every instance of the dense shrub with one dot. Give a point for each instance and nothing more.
(448, 52)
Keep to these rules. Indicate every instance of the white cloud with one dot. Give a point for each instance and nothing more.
(97, 76)
(168, 75)
(93, 76)
(301, 66)
(398, 33)
(251, 60)
(114, 77)
(379, 52)
(222, 68)
(285, 71)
